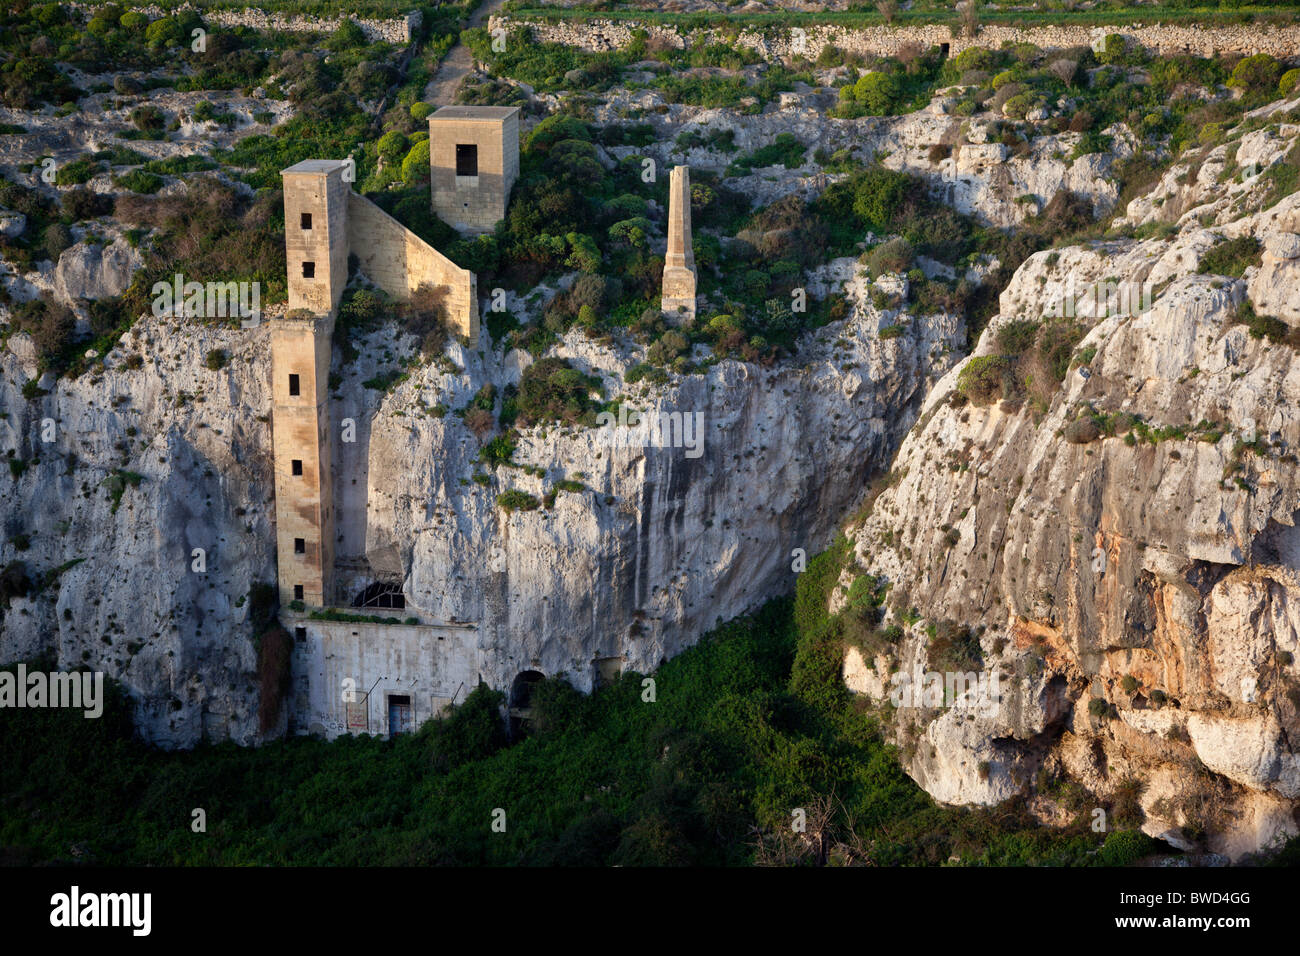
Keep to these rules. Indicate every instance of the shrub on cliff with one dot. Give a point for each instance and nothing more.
(981, 378)
(553, 390)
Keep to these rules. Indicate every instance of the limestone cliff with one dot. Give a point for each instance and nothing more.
(157, 453)
(1121, 549)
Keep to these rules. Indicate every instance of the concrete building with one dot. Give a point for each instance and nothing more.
(473, 164)
(371, 678)
(678, 296)
(325, 222)
(358, 676)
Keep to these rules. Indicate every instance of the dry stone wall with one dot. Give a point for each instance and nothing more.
(390, 31)
(783, 43)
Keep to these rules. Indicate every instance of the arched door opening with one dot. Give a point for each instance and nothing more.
(520, 702)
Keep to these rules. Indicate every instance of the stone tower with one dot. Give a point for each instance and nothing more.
(316, 251)
(679, 265)
(473, 164)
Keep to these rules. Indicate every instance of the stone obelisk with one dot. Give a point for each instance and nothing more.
(679, 265)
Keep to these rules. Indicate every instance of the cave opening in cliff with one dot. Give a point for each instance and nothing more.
(381, 594)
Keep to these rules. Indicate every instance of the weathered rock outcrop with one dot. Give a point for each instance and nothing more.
(1123, 547)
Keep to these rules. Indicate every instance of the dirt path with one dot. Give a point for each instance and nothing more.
(441, 90)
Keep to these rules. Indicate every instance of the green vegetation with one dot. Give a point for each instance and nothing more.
(333, 615)
(1266, 326)
(514, 500)
(1231, 257)
(1033, 361)
(552, 390)
(749, 724)
(118, 482)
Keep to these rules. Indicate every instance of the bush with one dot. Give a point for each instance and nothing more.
(896, 255)
(1256, 74)
(415, 167)
(1125, 848)
(1265, 326)
(421, 111)
(876, 94)
(552, 390)
(217, 359)
(392, 145)
(1017, 337)
(148, 119)
(1231, 257)
(516, 500)
(58, 237)
(76, 172)
(879, 194)
(1288, 83)
(82, 204)
(954, 647)
(139, 181)
(980, 380)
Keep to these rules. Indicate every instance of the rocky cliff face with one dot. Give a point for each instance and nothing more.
(660, 545)
(1121, 550)
(149, 457)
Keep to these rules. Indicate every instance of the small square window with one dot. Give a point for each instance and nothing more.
(306, 220)
(297, 466)
(300, 634)
(293, 384)
(297, 592)
(299, 545)
(466, 159)
(309, 270)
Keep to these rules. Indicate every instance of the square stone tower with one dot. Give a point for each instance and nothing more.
(474, 162)
(316, 234)
(316, 250)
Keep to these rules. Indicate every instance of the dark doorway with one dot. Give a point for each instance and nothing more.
(943, 50)
(399, 714)
(521, 700)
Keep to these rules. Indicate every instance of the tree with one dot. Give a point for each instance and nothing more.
(878, 92)
(888, 10)
(415, 167)
(1065, 71)
(968, 11)
(879, 194)
(392, 145)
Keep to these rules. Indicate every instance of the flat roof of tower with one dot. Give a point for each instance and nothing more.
(314, 166)
(474, 112)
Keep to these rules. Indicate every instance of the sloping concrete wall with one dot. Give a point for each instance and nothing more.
(398, 261)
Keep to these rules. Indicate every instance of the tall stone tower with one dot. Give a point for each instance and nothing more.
(679, 265)
(474, 162)
(316, 250)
